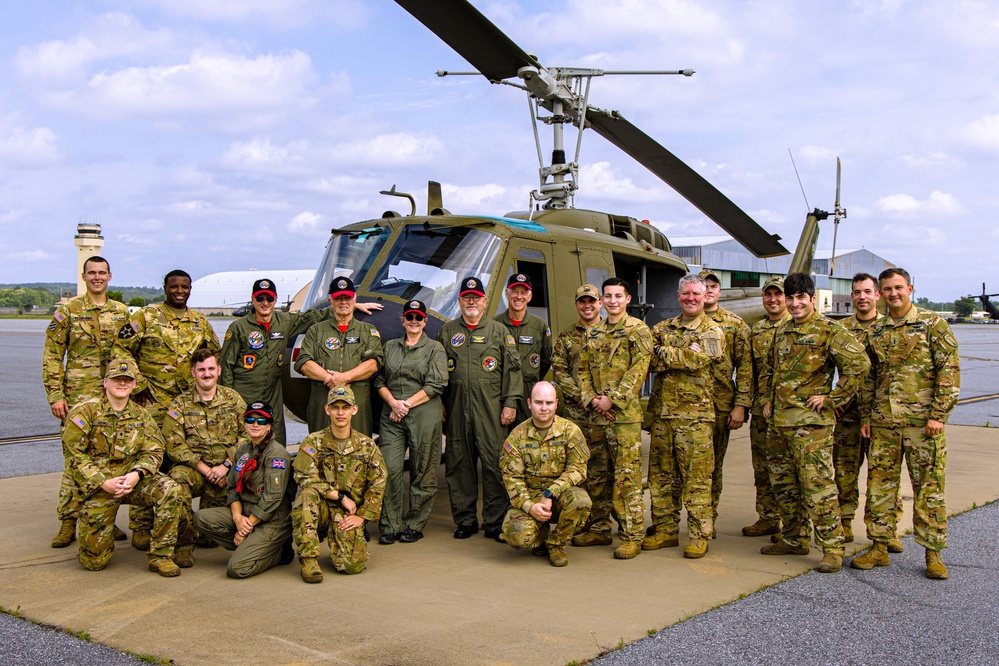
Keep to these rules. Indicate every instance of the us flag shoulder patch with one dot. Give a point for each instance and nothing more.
(80, 423)
(174, 414)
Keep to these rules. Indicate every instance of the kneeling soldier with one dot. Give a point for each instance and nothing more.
(342, 476)
(115, 449)
(543, 463)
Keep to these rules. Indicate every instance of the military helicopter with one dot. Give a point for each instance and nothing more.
(988, 305)
(397, 258)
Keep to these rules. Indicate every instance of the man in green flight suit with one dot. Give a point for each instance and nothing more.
(533, 337)
(82, 332)
(254, 348)
(480, 402)
(341, 351)
(612, 368)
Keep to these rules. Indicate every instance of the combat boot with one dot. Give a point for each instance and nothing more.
(184, 557)
(877, 556)
(847, 531)
(141, 539)
(831, 563)
(934, 565)
(658, 540)
(895, 546)
(760, 528)
(592, 539)
(67, 534)
(784, 548)
(204, 542)
(557, 556)
(164, 566)
(311, 573)
(627, 550)
(119, 534)
(696, 549)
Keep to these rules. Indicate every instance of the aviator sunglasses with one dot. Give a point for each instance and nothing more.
(264, 298)
(414, 317)
(259, 420)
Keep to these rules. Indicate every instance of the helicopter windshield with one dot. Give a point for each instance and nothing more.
(427, 264)
(347, 255)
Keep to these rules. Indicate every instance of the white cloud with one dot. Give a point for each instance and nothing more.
(458, 198)
(27, 147)
(388, 150)
(905, 205)
(30, 255)
(287, 13)
(983, 132)
(306, 223)
(133, 239)
(817, 154)
(601, 180)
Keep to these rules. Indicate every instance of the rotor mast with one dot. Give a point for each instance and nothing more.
(838, 213)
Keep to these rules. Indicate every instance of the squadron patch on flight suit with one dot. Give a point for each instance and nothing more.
(256, 339)
(228, 336)
(450, 365)
(489, 364)
(458, 339)
(249, 360)
(535, 360)
(332, 343)
(242, 462)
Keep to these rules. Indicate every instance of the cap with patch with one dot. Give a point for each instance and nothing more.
(341, 394)
(707, 273)
(260, 409)
(342, 286)
(264, 287)
(414, 306)
(519, 280)
(774, 281)
(122, 367)
(588, 290)
(472, 285)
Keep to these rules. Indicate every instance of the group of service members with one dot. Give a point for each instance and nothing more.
(175, 417)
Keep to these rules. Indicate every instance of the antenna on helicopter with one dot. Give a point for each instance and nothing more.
(838, 213)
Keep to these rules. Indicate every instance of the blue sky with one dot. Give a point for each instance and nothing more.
(221, 135)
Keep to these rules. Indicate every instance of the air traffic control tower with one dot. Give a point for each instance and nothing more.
(88, 241)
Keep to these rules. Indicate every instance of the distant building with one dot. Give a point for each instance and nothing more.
(221, 292)
(738, 268)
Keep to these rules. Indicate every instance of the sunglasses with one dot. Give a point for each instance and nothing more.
(414, 317)
(259, 420)
(264, 298)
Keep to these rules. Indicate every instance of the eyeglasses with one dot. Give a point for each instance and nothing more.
(414, 317)
(264, 298)
(471, 298)
(259, 420)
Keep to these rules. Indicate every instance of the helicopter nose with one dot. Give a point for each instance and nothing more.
(388, 321)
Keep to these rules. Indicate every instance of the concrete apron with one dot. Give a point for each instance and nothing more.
(438, 601)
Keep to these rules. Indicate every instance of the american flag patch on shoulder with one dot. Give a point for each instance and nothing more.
(80, 423)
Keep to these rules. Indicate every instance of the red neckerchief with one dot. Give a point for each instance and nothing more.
(244, 473)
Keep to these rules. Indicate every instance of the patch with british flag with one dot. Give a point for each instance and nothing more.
(278, 463)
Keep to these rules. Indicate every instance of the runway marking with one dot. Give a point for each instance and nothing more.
(976, 358)
(978, 398)
(30, 438)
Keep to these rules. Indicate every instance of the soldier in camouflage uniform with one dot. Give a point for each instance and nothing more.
(544, 467)
(565, 371)
(533, 337)
(480, 403)
(612, 368)
(256, 523)
(341, 351)
(681, 457)
(82, 332)
(762, 339)
(254, 347)
(850, 448)
(915, 382)
(732, 398)
(115, 449)
(797, 380)
(160, 338)
(202, 428)
(341, 476)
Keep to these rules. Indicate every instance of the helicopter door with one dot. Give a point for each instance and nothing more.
(533, 259)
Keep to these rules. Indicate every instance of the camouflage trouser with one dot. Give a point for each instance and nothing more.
(926, 457)
(313, 518)
(617, 487)
(807, 488)
(849, 451)
(258, 552)
(681, 460)
(68, 504)
(569, 512)
(719, 437)
(95, 529)
(766, 501)
(140, 518)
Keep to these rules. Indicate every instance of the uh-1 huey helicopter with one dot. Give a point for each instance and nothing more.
(394, 258)
(988, 305)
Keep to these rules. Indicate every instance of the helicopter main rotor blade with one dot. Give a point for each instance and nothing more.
(462, 27)
(687, 182)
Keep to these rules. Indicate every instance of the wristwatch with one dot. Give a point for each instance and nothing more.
(547, 494)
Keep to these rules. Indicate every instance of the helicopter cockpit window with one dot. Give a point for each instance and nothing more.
(427, 263)
(347, 255)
